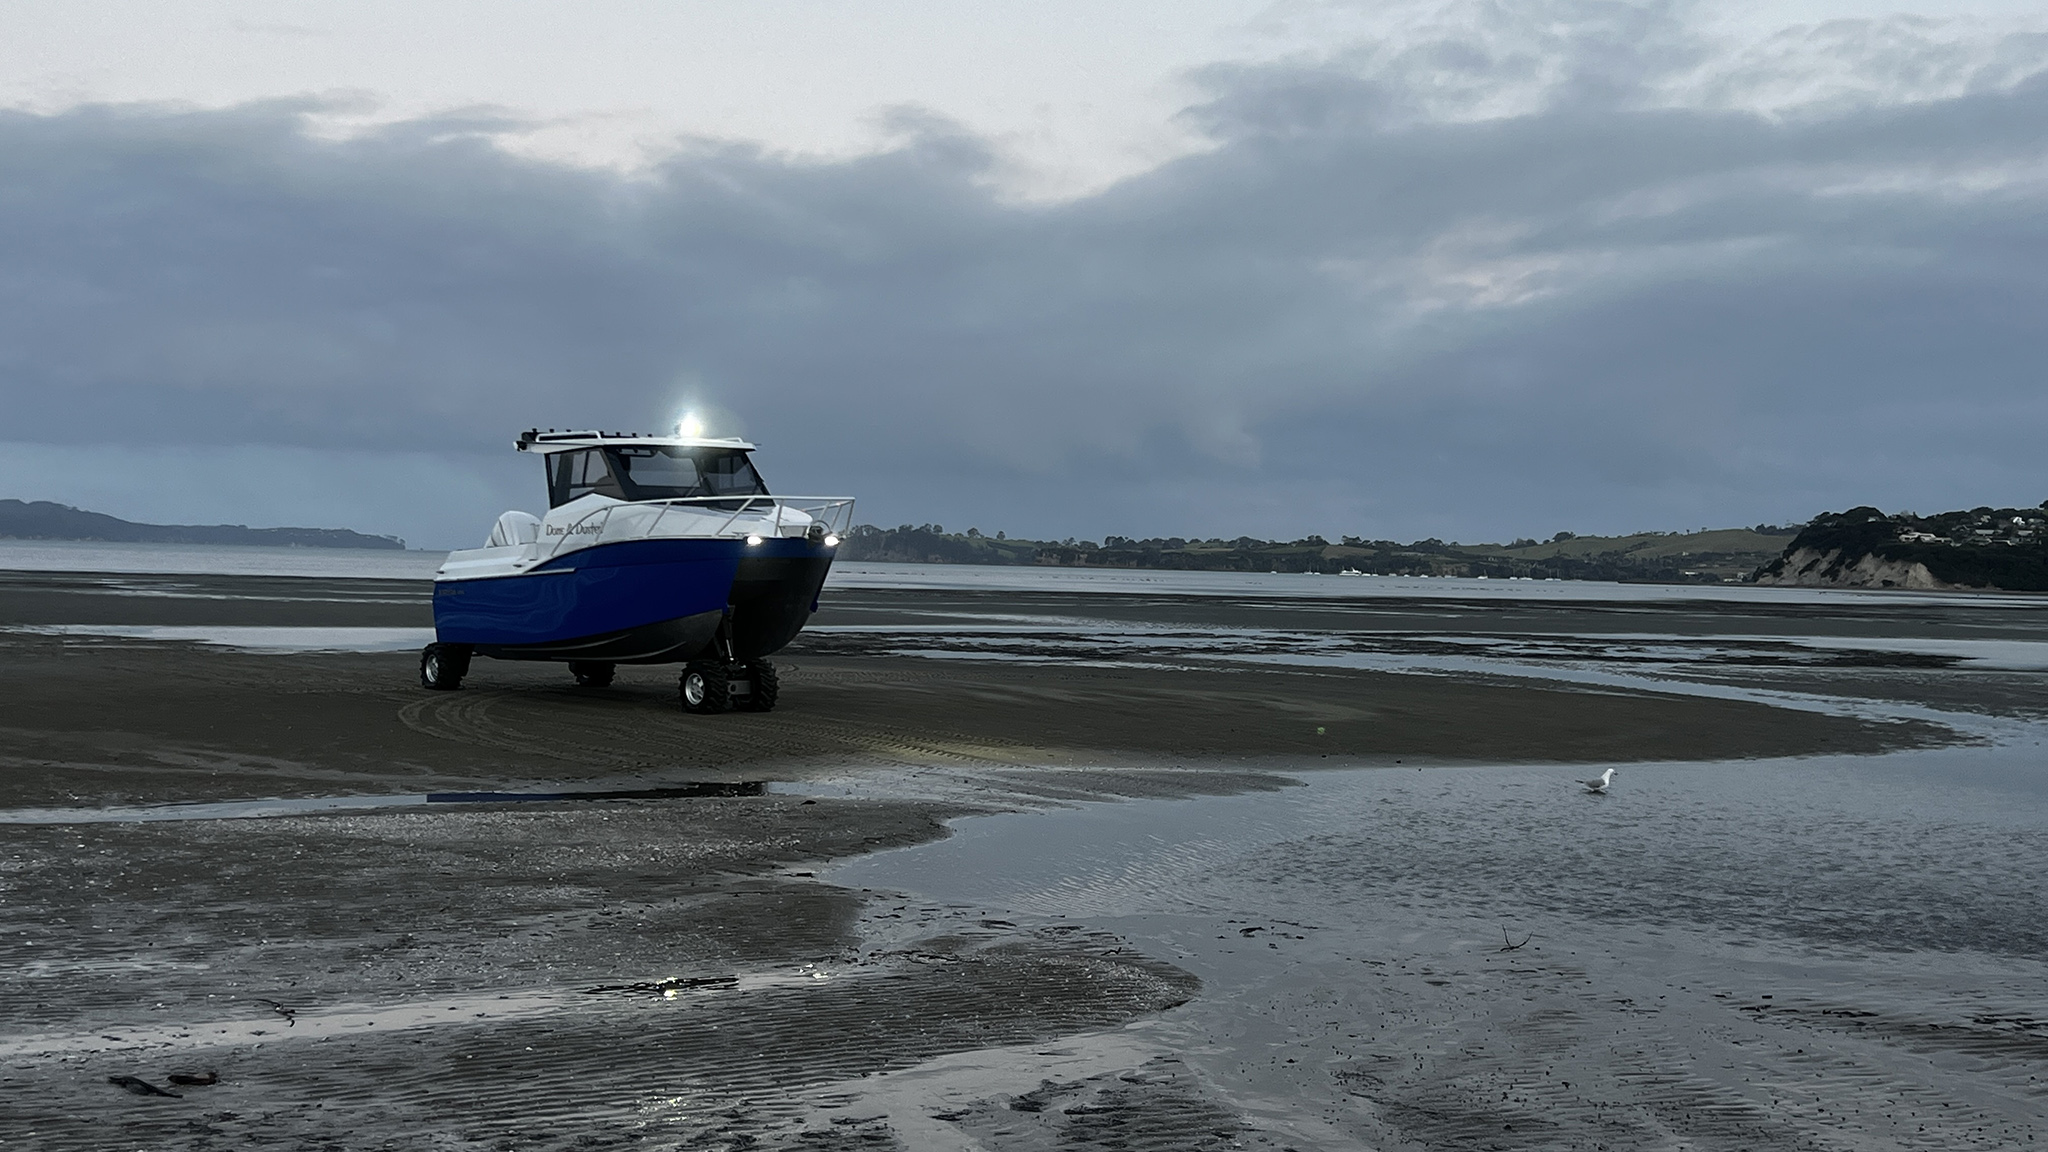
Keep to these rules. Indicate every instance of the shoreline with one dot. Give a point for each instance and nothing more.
(29, 560)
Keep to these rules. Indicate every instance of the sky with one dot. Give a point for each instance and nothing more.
(1207, 268)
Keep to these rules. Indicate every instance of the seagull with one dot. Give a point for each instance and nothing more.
(1599, 787)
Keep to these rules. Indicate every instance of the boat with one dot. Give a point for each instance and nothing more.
(654, 550)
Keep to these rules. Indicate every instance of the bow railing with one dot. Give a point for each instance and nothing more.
(734, 516)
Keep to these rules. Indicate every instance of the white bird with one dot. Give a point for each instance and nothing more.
(1599, 787)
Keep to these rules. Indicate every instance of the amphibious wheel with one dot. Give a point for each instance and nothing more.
(442, 666)
(592, 673)
(762, 687)
(705, 688)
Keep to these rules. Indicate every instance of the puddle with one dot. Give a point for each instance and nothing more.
(678, 987)
(700, 791)
(312, 805)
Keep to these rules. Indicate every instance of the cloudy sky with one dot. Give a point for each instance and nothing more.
(1202, 267)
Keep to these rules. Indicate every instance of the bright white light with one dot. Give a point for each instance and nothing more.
(689, 427)
(753, 540)
(831, 541)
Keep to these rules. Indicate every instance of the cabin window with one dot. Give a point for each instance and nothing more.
(651, 472)
(572, 475)
(732, 474)
(648, 469)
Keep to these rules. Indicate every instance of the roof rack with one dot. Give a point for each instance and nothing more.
(533, 439)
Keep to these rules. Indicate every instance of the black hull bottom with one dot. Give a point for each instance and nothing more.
(772, 599)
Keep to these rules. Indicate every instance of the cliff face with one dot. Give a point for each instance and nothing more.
(1814, 568)
(2002, 548)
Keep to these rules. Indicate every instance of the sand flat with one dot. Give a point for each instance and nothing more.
(684, 970)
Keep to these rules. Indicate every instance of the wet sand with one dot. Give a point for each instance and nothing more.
(659, 973)
(92, 719)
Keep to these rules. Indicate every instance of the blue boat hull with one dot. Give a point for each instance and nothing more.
(640, 602)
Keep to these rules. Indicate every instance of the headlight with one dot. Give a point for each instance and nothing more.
(831, 541)
(753, 540)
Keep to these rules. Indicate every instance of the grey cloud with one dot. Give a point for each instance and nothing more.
(1347, 316)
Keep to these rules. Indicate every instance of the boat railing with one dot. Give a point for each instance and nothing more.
(770, 516)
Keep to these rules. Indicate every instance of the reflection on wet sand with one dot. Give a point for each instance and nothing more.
(1733, 955)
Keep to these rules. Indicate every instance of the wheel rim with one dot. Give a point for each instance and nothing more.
(693, 688)
(434, 667)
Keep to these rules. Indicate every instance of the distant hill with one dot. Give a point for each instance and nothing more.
(1720, 556)
(43, 520)
(2002, 548)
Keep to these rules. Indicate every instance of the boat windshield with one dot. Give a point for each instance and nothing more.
(652, 472)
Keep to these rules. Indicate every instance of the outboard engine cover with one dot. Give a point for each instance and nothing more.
(514, 529)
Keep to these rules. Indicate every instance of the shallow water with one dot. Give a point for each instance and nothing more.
(1032, 578)
(217, 559)
(1820, 927)
(244, 637)
(1824, 852)
(1008, 635)
(1955, 664)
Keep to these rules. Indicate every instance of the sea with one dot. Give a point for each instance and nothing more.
(366, 563)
